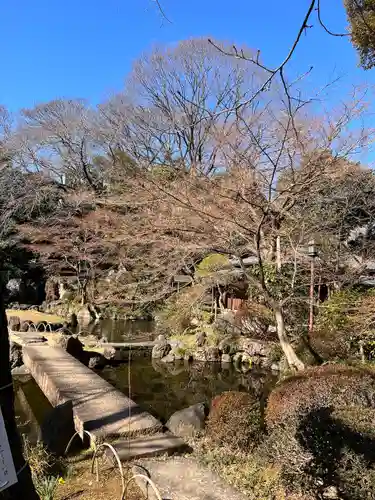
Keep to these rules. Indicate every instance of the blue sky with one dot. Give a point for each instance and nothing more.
(84, 48)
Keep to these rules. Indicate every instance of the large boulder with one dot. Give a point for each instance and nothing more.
(229, 344)
(226, 358)
(15, 355)
(96, 361)
(109, 353)
(71, 344)
(253, 347)
(14, 323)
(161, 348)
(200, 354)
(169, 358)
(189, 421)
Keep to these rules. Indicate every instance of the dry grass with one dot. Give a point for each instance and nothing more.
(255, 478)
(82, 485)
(34, 316)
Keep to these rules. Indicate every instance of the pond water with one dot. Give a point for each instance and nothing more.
(31, 407)
(163, 388)
(121, 330)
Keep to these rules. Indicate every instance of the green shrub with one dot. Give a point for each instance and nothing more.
(235, 420)
(320, 425)
(179, 310)
(326, 386)
(344, 321)
(210, 264)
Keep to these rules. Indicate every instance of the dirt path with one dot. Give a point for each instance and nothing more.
(82, 485)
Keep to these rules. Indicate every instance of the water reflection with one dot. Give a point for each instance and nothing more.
(163, 388)
(120, 330)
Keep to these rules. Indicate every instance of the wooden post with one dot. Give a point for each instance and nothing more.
(24, 488)
(311, 314)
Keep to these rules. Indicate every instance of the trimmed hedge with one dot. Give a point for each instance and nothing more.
(321, 427)
(235, 420)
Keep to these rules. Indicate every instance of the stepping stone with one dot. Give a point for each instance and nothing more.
(148, 446)
(181, 478)
(28, 338)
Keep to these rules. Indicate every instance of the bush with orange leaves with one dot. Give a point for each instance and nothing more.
(321, 429)
(235, 420)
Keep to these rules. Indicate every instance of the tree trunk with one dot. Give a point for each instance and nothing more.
(24, 489)
(293, 360)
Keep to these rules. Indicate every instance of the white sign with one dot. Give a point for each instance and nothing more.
(8, 475)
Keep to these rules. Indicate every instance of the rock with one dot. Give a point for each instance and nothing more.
(201, 339)
(169, 358)
(41, 326)
(226, 358)
(71, 344)
(32, 338)
(161, 348)
(15, 355)
(20, 371)
(331, 493)
(14, 323)
(247, 363)
(225, 325)
(24, 326)
(73, 320)
(253, 347)
(178, 354)
(212, 354)
(96, 361)
(109, 353)
(175, 344)
(275, 367)
(228, 345)
(200, 354)
(237, 358)
(13, 287)
(254, 327)
(84, 316)
(51, 290)
(194, 322)
(189, 421)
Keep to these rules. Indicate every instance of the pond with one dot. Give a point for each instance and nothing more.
(163, 388)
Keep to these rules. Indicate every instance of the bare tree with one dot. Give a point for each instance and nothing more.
(247, 208)
(58, 138)
(177, 105)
